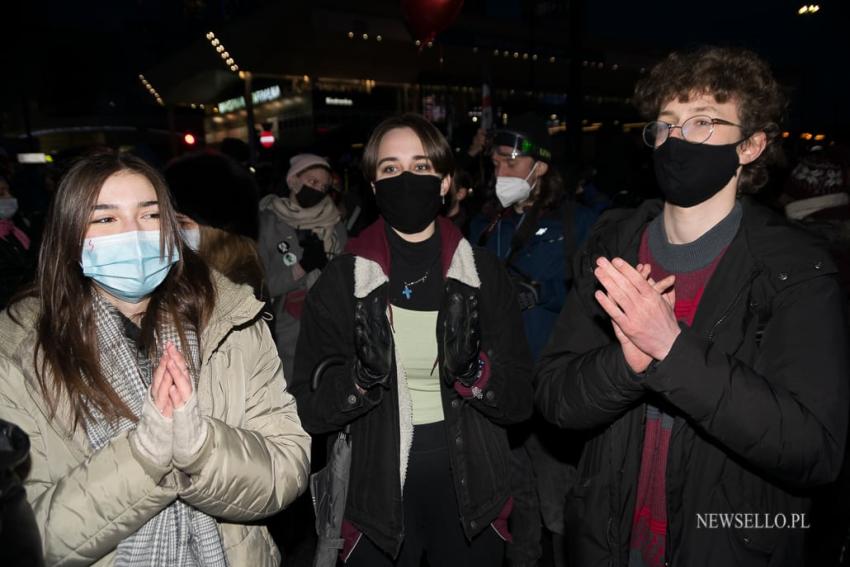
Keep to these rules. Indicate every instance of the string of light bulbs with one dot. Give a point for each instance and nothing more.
(152, 90)
(225, 55)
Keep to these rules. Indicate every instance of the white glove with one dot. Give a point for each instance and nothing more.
(152, 437)
(190, 434)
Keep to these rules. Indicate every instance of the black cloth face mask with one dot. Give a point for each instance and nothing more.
(409, 202)
(308, 197)
(689, 174)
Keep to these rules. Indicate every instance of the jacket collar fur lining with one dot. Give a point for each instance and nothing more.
(371, 270)
(372, 257)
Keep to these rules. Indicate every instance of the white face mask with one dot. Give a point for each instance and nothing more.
(512, 190)
(8, 207)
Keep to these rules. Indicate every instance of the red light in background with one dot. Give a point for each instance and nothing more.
(266, 139)
(189, 139)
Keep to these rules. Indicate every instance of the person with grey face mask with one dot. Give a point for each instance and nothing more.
(17, 258)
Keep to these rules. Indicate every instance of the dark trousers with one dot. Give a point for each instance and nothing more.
(432, 525)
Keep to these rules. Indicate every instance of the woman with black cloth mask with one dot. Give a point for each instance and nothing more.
(298, 235)
(436, 364)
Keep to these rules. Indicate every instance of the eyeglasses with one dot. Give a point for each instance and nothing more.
(696, 130)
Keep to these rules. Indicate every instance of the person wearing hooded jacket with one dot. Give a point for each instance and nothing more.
(709, 372)
(298, 235)
(433, 366)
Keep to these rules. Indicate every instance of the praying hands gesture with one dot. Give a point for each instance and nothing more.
(171, 429)
(172, 384)
(641, 311)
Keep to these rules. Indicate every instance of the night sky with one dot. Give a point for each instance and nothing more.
(77, 57)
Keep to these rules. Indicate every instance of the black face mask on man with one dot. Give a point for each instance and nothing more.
(689, 174)
(308, 197)
(409, 202)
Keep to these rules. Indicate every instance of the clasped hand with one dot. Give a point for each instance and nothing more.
(641, 310)
(171, 428)
(172, 385)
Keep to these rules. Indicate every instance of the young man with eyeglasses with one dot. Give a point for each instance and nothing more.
(703, 350)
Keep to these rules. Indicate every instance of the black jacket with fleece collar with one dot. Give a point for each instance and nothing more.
(381, 420)
(758, 387)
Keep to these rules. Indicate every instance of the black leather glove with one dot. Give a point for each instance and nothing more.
(313, 257)
(461, 338)
(373, 343)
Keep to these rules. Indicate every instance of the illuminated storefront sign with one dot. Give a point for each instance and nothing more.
(334, 101)
(260, 96)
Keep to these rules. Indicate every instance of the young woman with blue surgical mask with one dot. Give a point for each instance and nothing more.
(152, 383)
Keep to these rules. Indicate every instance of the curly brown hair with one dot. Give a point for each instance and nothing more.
(727, 74)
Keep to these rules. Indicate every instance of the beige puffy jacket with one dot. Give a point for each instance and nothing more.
(256, 459)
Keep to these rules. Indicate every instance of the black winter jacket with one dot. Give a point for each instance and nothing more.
(758, 387)
(380, 433)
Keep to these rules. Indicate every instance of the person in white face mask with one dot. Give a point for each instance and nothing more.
(217, 201)
(538, 229)
(539, 225)
(16, 254)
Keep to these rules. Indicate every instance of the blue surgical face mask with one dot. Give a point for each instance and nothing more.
(127, 265)
(192, 238)
(8, 207)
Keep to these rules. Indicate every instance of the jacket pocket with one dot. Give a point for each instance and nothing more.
(747, 526)
(588, 522)
(249, 545)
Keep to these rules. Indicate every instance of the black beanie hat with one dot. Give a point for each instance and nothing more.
(213, 190)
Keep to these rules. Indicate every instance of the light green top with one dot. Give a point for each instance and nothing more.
(416, 341)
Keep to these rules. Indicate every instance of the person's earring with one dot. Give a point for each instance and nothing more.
(443, 199)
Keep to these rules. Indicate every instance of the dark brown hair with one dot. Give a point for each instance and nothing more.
(436, 147)
(66, 353)
(727, 74)
(549, 192)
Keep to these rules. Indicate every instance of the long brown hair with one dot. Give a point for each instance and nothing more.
(550, 192)
(67, 339)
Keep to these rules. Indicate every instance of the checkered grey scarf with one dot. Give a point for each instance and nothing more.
(179, 535)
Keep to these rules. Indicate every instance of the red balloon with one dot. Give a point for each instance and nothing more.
(427, 18)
